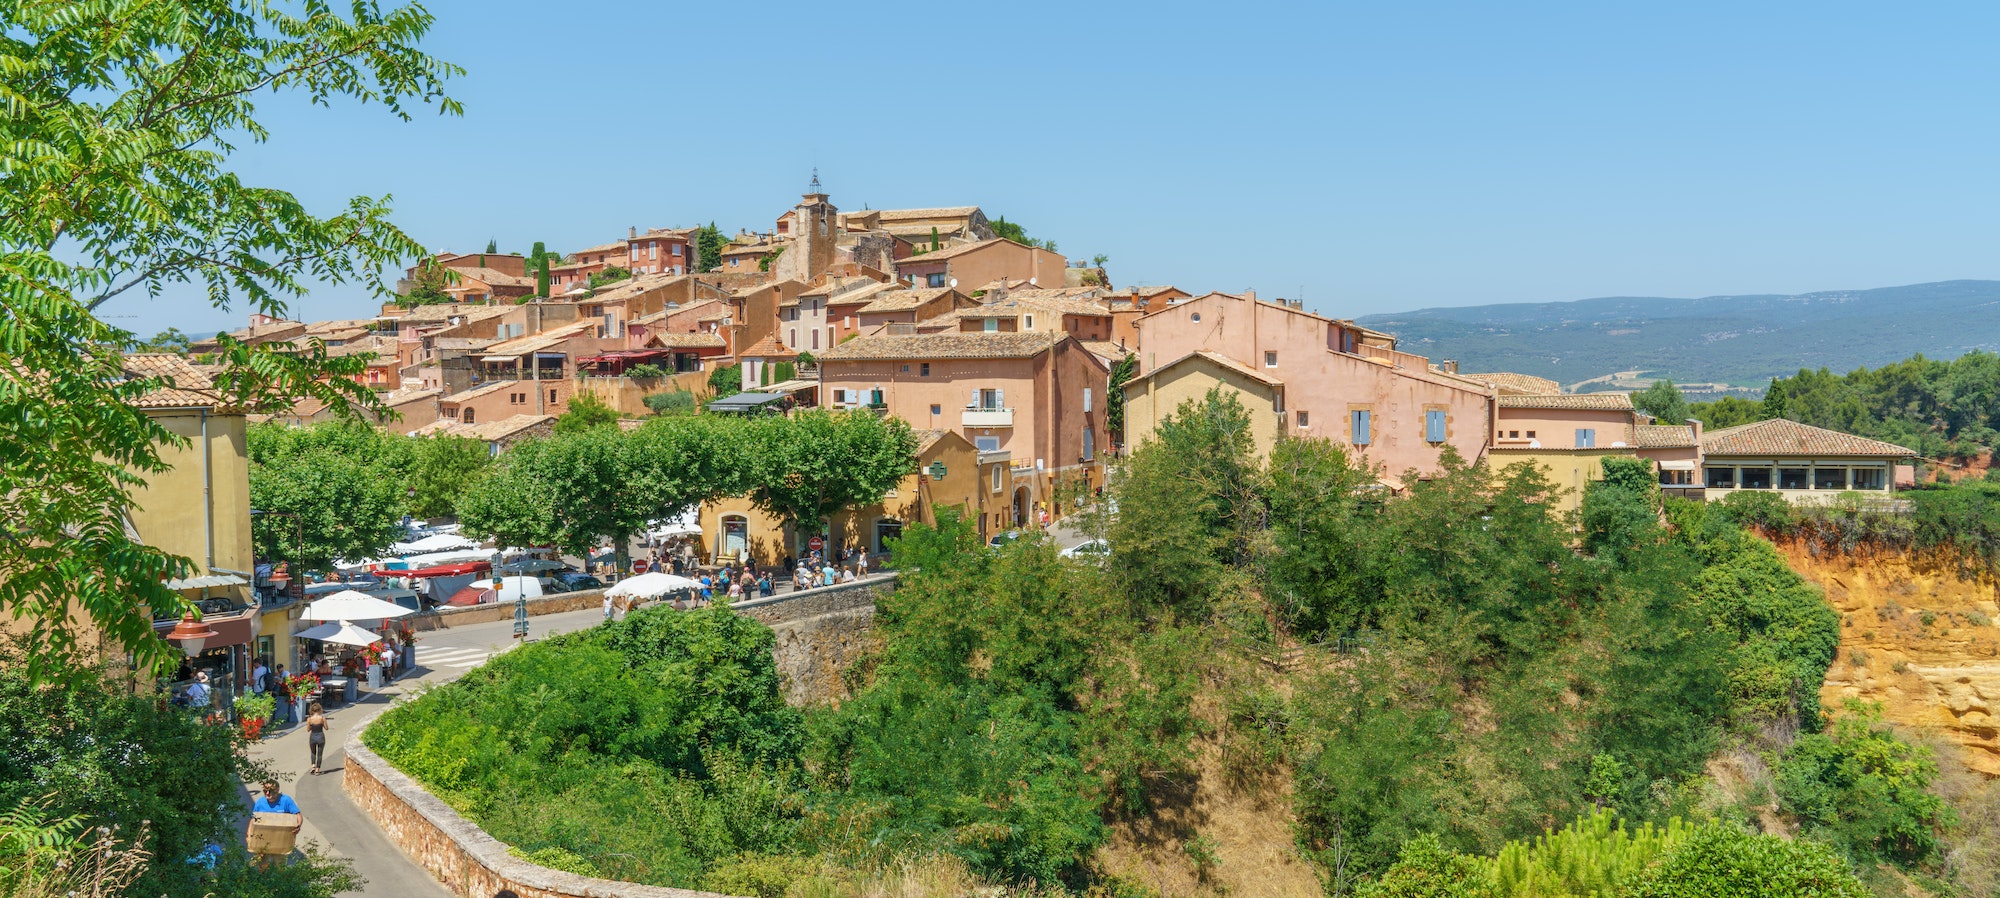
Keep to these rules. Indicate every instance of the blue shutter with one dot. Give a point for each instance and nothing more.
(1360, 426)
(1434, 426)
(1586, 438)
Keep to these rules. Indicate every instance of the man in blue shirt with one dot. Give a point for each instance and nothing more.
(271, 800)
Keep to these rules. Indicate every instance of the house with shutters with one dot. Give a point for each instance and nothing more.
(1038, 397)
(1315, 377)
(1806, 465)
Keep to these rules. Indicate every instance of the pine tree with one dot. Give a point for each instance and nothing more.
(541, 257)
(492, 246)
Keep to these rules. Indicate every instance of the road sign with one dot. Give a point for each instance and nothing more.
(815, 544)
(521, 617)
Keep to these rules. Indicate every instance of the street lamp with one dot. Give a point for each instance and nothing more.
(191, 634)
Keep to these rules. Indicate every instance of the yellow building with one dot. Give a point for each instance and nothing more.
(735, 528)
(1155, 396)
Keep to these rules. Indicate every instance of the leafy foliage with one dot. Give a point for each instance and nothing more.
(586, 411)
(610, 274)
(1663, 401)
(120, 124)
(809, 465)
(1007, 230)
(1725, 860)
(344, 484)
(1114, 394)
(709, 244)
(170, 341)
(672, 402)
(725, 381)
(1864, 791)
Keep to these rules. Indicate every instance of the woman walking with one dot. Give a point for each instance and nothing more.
(316, 735)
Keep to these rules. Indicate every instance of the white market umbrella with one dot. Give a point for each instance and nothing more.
(649, 586)
(351, 605)
(442, 542)
(341, 632)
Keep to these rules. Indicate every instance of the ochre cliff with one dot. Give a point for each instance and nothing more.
(1919, 636)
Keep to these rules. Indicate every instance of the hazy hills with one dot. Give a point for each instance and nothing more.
(1743, 340)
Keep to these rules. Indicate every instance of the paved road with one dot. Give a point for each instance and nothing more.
(335, 822)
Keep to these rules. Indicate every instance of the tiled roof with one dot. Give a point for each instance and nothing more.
(1508, 382)
(493, 278)
(1663, 436)
(859, 295)
(633, 286)
(1108, 350)
(768, 348)
(758, 248)
(927, 438)
(1153, 291)
(939, 212)
(405, 397)
(463, 344)
(835, 285)
(1226, 362)
(942, 346)
(543, 340)
(953, 252)
(1600, 402)
(443, 312)
(1014, 308)
(687, 341)
(600, 248)
(904, 300)
(192, 387)
(1778, 436)
(482, 390)
(673, 310)
(346, 324)
(489, 431)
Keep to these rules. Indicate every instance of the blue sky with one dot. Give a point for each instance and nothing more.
(1378, 157)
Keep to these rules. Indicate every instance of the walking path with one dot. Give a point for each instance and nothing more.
(331, 819)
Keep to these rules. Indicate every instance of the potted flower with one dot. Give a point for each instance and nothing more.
(303, 688)
(253, 712)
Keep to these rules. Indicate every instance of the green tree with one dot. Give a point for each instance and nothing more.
(1189, 501)
(1724, 860)
(1427, 869)
(1114, 394)
(1007, 230)
(442, 469)
(1864, 790)
(812, 464)
(539, 262)
(170, 340)
(1316, 572)
(569, 490)
(586, 411)
(1663, 401)
(1620, 513)
(725, 380)
(1729, 411)
(427, 288)
(122, 119)
(672, 402)
(709, 244)
(342, 484)
(610, 275)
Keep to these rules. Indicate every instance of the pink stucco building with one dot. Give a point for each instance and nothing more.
(1037, 397)
(1342, 381)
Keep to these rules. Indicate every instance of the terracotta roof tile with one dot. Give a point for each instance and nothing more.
(1602, 402)
(489, 431)
(768, 348)
(1778, 436)
(939, 212)
(687, 341)
(904, 300)
(482, 390)
(192, 387)
(953, 252)
(1509, 383)
(1664, 436)
(942, 346)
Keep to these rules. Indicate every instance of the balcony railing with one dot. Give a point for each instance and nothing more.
(977, 416)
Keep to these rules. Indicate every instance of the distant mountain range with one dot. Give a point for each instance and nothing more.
(1739, 340)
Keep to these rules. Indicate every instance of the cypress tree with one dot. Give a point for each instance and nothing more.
(541, 269)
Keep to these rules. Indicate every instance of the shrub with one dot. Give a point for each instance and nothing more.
(645, 370)
(1723, 860)
(1864, 790)
(671, 402)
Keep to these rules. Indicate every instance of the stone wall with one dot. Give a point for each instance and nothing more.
(464, 858)
(820, 634)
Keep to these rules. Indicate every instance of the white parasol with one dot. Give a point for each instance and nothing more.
(351, 605)
(341, 632)
(649, 586)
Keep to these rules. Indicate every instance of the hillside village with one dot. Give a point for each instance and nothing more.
(1008, 353)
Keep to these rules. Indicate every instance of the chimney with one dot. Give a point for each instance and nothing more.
(1448, 366)
(1696, 424)
(631, 232)
(1250, 295)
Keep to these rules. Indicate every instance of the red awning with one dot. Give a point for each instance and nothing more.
(445, 570)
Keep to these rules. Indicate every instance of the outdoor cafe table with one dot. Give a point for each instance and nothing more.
(344, 686)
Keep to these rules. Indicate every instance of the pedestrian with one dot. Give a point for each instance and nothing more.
(389, 660)
(607, 605)
(272, 801)
(284, 694)
(847, 575)
(861, 565)
(707, 588)
(749, 579)
(316, 735)
(831, 577)
(791, 564)
(764, 587)
(735, 590)
(198, 695)
(259, 676)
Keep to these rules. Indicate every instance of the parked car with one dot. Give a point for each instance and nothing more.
(573, 581)
(1090, 548)
(1003, 539)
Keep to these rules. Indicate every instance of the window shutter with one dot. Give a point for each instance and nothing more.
(1434, 426)
(999, 398)
(1086, 399)
(975, 400)
(1360, 427)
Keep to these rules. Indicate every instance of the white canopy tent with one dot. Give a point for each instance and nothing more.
(341, 632)
(442, 542)
(351, 606)
(650, 586)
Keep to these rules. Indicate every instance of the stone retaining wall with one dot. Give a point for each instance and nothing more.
(469, 862)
